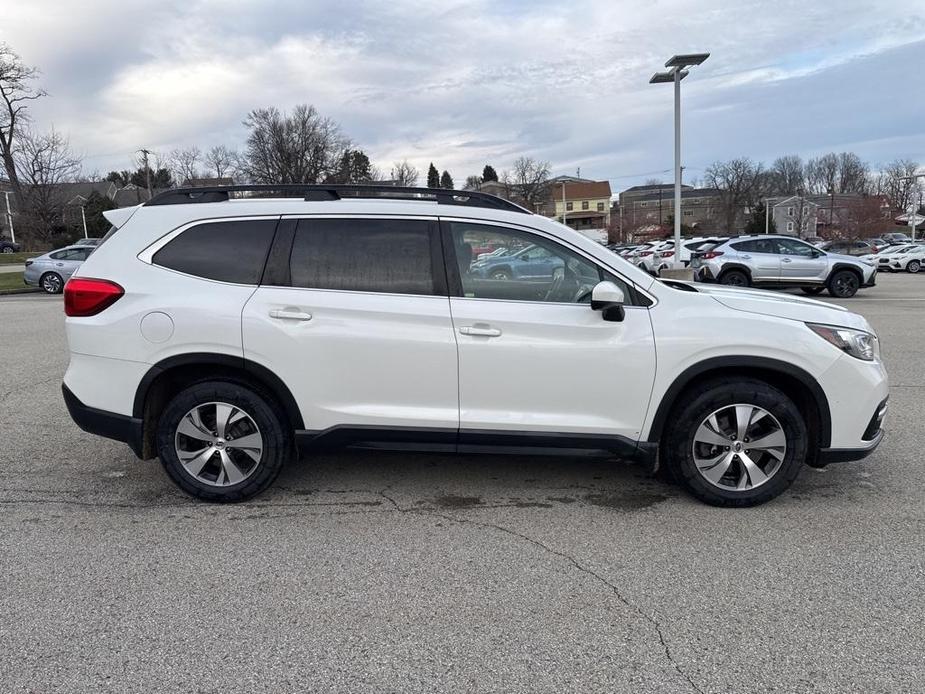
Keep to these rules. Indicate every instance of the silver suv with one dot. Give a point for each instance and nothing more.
(781, 261)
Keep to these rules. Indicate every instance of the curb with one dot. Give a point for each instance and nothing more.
(24, 290)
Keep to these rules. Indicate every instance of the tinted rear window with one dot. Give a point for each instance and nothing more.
(367, 255)
(224, 251)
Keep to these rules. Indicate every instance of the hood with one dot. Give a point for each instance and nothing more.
(781, 305)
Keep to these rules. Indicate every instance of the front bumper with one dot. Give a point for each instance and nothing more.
(102, 423)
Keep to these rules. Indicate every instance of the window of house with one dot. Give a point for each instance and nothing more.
(600, 207)
(365, 255)
(644, 203)
(688, 213)
(584, 204)
(540, 270)
(789, 226)
(568, 206)
(224, 251)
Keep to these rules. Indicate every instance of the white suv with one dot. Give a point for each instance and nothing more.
(224, 334)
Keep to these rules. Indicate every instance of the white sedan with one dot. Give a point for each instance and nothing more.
(909, 258)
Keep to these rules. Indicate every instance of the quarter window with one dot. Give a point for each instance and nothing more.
(225, 251)
(532, 268)
(365, 255)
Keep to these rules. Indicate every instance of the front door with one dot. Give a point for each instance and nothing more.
(801, 262)
(533, 357)
(353, 316)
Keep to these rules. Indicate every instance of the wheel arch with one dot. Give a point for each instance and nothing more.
(798, 384)
(734, 266)
(167, 377)
(838, 267)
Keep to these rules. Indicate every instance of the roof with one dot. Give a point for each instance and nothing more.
(654, 187)
(782, 201)
(573, 191)
(685, 193)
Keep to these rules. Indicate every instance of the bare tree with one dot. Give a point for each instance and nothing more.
(786, 175)
(16, 91)
(739, 183)
(44, 162)
(836, 173)
(301, 147)
(185, 163)
(527, 180)
(221, 161)
(404, 173)
(894, 182)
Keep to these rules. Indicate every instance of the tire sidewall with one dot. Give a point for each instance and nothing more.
(717, 395)
(268, 418)
(734, 273)
(832, 281)
(60, 283)
(914, 266)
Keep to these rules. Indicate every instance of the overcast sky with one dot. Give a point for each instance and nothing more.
(465, 83)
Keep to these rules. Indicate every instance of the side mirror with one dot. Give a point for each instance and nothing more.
(608, 298)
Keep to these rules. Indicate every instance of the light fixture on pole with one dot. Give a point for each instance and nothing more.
(677, 63)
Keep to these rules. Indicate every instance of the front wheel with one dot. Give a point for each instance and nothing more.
(844, 284)
(222, 441)
(736, 444)
(7, 249)
(914, 266)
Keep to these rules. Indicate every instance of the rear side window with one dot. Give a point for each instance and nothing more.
(756, 246)
(366, 255)
(224, 251)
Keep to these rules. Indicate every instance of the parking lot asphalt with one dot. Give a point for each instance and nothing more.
(402, 572)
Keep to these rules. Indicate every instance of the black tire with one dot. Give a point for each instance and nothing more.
(914, 266)
(502, 275)
(844, 284)
(51, 283)
(734, 278)
(7, 249)
(812, 291)
(697, 404)
(272, 425)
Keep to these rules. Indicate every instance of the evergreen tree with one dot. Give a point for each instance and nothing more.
(489, 173)
(433, 177)
(97, 225)
(755, 223)
(446, 181)
(353, 167)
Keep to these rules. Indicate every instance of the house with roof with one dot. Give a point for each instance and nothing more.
(796, 215)
(583, 206)
(642, 206)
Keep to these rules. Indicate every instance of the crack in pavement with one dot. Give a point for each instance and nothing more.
(570, 559)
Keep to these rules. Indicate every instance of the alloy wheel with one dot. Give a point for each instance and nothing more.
(51, 283)
(845, 284)
(218, 444)
(914, 266)
(739, 447)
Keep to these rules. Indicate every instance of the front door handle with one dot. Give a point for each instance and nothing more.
(746, 257)
(289, 314)
(786, 260)
(480, 331)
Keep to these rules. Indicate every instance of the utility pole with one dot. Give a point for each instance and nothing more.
(767, 213)
(144, 154)
(9, 217)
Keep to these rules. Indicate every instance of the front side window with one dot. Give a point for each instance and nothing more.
(533, 269)
(233, 251)
(791, 247)
(365, 255)
(756, 246)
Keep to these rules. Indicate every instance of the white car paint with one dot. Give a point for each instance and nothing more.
(406, 361)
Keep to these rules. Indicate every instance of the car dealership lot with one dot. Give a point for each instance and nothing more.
(392, 571)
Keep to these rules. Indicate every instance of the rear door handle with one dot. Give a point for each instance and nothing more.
(479, 331)
(289, 314)
(746, 257)
(786, 260)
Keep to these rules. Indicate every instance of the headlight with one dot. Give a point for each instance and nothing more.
(857, 343)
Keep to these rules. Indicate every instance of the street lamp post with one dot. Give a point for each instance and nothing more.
(83, 217)
(9, 217)
(677, 63)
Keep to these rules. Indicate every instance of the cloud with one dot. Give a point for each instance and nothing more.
(465, 83)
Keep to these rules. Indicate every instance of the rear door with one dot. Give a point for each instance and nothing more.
(801, 262)
(353, 315)
(761, 257)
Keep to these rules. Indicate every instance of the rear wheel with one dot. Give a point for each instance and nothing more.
(6, 249)
(734, 278)
(914, 266)
(51, 283)
(812, 291)
(500, 275)
(844, 284)
(736, 444)
(222, 441)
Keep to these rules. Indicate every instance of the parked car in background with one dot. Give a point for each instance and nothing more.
(51, 270)
(531, 262)
(910, 258)
(850, 247)
(897, 237)
(7, 246)
(781, 261)
(688, 247)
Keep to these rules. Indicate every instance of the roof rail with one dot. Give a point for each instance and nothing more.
(322, 192)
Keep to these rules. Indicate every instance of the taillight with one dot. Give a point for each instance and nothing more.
(709, 255)
(643, 254)
(666, 254)
(84, 296)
